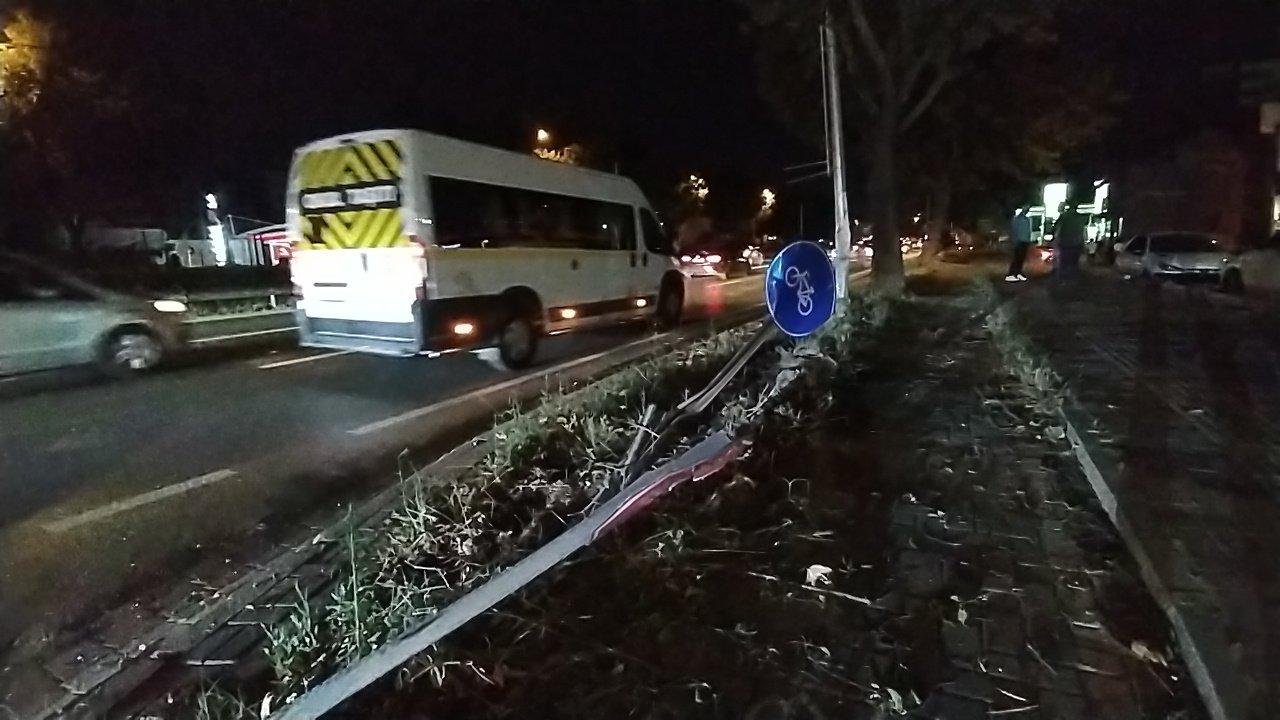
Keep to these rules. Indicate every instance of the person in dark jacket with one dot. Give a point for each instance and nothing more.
(1069, 235)
(1020, 237)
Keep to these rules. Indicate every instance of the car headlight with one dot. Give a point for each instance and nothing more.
(169, 306)
(1167, 266)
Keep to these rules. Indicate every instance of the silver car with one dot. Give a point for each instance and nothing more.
(51, 319)
(1173, 256)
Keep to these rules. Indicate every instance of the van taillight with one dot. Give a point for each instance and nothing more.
(420, 292)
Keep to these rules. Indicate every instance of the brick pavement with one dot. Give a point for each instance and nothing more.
(1052, 612)
(1177, 393)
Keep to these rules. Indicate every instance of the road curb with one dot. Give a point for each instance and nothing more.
(1097, 468)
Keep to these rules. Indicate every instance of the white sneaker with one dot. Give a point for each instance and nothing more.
(1011, 278)
(1022, 278)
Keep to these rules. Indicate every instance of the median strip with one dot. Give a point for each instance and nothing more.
(119, 506)
(307, 359)
(499, 388)
(240, 336)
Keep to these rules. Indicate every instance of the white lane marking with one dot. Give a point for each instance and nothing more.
(119, 506)
(309, 358)
(237, 336)
(495, 389)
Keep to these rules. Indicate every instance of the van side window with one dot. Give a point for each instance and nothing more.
(471, 214)
(655, 240)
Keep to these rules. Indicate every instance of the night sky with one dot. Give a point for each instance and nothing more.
(220, 93)
(215, 95)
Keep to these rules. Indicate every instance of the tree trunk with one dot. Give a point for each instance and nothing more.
(882, 195)
(939, 219)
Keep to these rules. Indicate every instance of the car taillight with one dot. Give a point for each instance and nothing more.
(420, 292)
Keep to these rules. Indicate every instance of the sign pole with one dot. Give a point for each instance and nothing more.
(835, 151)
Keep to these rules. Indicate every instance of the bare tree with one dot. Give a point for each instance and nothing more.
(897, 58)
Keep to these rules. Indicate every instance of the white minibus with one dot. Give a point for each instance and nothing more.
(407, 242)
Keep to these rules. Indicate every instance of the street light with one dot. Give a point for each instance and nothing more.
(697, 187)
(544, 136)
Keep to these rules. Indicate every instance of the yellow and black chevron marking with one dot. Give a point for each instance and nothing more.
(350, 165)
(354, 229)
(353, 165)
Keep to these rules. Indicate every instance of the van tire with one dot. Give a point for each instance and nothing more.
(517, 341)
(129, 352)
(670, 303)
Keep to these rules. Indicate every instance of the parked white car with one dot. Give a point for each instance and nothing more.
(51, 319)
(1173, 256)
(1257, 269)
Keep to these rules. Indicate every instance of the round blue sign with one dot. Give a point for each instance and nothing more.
(800, 288)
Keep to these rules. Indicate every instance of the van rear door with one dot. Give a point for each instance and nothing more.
(357, 269)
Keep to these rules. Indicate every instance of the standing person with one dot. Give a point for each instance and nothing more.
(1069, 234)
(1020, 236)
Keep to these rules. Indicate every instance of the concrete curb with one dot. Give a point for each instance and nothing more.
(1097, 468)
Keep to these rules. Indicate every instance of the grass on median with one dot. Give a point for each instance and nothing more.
(543, 467)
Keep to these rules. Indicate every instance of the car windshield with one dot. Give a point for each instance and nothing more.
(1183, 243)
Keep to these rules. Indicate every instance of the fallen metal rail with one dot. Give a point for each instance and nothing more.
(702, 460)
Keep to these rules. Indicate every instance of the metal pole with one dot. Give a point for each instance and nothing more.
(835, 144)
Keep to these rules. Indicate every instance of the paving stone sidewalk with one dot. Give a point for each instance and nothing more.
(1058, 625)
(1176, 392)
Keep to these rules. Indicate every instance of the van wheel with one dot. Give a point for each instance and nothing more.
(517, 342)
(130, 351)
(1232, 282)
(670, 304)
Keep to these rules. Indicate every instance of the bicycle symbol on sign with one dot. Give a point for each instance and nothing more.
(799, 279)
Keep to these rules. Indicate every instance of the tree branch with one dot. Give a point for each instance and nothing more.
(844, 49)
(870, 44)
(944, 76)
(935, 51)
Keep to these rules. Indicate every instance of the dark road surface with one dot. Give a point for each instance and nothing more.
(72, 448)
(112, 486)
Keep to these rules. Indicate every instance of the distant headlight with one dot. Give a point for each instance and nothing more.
(1167, 266)
(169, 306)
(713, 259)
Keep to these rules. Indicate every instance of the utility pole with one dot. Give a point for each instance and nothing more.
(835, 156)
